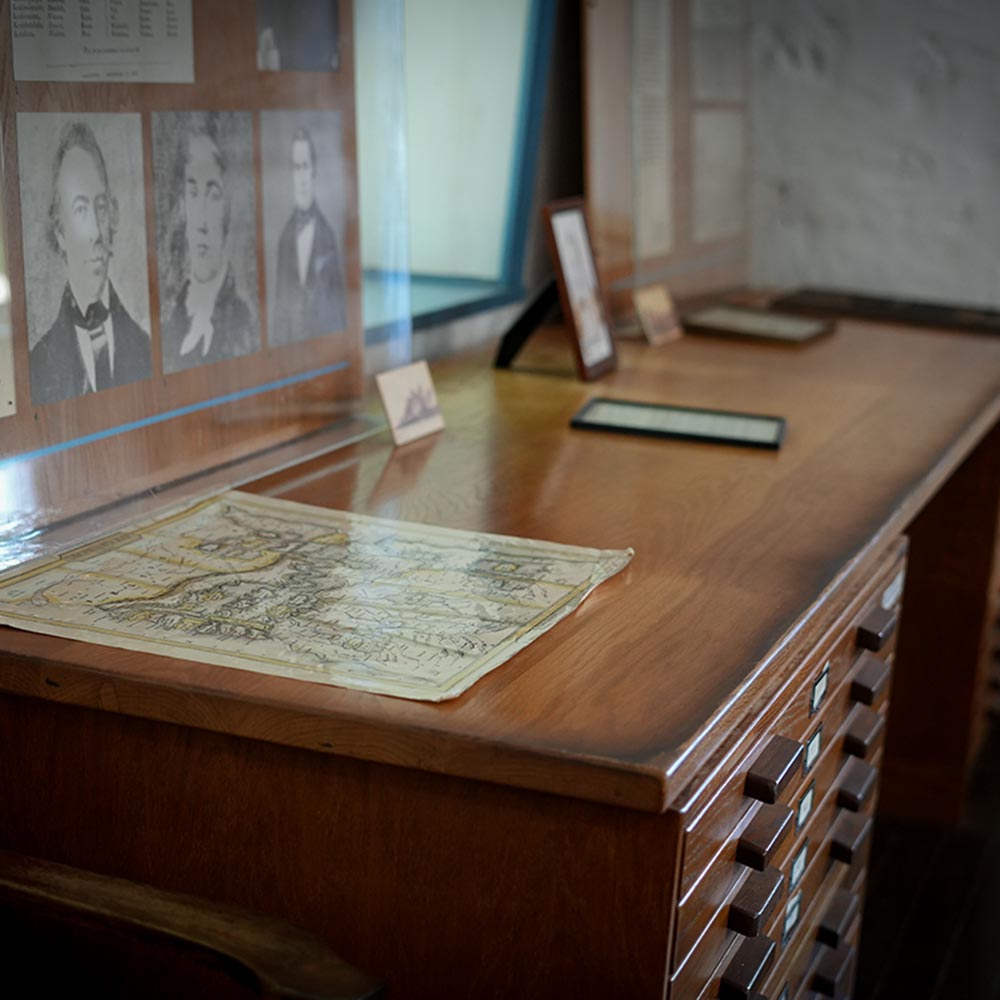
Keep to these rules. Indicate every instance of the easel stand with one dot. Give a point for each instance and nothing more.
(534, 314)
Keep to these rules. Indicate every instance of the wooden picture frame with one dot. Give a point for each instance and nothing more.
(584, 308)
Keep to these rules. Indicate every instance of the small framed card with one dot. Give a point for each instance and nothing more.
(579, 288)
(410, 403)
(750, 430)
(759, 324)
(657, 315)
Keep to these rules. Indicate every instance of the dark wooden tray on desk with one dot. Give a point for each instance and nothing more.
(528, 838)
(889, 309)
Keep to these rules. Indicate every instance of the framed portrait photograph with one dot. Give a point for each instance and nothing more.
(84, 252)
(206, 236)
(307, 194)
(583, 305)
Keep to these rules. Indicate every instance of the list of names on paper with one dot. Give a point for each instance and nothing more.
(124, 41)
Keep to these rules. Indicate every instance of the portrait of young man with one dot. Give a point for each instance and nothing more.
(303, 172)
(83, 336)
(206, 237)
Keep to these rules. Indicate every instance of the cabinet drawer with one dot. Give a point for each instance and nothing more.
(804, 906)
(817, 831)
(830, 966)
(717, 945)
(823, 874)
(818, 690)
(728, 874)
(731, 809)
(791, 970)
(794, 979)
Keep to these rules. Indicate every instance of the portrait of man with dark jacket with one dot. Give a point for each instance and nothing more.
(309, 293)
(93, 342)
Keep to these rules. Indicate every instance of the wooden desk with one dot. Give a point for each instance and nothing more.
(543, 834)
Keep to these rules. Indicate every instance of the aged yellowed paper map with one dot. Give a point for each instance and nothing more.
(288, 589)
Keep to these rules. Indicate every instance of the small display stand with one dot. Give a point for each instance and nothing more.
(540, 305)
(585, 314)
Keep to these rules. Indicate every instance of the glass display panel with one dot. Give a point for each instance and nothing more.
(181, 292)
(475, 75)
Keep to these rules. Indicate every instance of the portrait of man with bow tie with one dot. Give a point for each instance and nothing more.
(93, 343)
(208, 280)
(306, 268)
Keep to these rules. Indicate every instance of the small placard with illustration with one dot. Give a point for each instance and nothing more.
(410, 403)
(657, 316)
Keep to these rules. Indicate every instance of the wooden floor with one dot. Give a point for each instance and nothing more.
(932, 924)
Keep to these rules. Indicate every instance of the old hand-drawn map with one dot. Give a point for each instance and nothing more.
(284, 588)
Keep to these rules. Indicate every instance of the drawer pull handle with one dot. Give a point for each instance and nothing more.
(863, 730)
(834, 924)
(833, 974)
(755, 902)
(747, 969)
(876, 628)
(857, 779)
(870, 678)
(765, 834)
(773, 769)
(848, 836)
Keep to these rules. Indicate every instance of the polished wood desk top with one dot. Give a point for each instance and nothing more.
(736, 550)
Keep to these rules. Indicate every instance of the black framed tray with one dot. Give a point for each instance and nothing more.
(684, 423)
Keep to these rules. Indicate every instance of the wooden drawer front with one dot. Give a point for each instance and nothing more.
(788, 925)
(791, 970)
(713, 831)
(789, 974)
(726, 876)
(828, 808)
(792, 716)
(822, 697)
(795, 981)
(717, 946)
(798, 918)
(832, 968)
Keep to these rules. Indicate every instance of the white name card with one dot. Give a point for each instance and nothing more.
(410, 403)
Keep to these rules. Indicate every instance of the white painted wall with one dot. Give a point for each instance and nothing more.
(452, 79)
(875, 161)
(464, 61)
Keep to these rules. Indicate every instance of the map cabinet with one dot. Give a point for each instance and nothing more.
(670, 793)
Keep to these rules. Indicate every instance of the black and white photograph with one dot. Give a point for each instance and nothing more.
(206, 236)
(298, 35)
(306, 195)
(84, 239)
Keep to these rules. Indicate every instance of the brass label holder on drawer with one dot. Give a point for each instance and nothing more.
(798, 868)
(819, 689)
